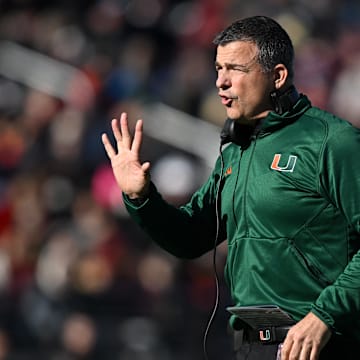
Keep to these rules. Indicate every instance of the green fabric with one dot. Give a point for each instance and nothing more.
(293, 236)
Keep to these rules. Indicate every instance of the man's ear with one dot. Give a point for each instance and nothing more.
(280, 76)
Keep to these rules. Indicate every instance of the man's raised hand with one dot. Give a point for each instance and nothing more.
(132, 177)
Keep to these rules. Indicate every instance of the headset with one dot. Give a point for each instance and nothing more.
(240, 134)
(236, 133)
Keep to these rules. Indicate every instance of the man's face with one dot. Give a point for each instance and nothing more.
(243, 86)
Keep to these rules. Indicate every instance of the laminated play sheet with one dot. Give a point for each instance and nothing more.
(262, 315)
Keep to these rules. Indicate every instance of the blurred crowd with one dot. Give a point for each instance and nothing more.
(78, 280)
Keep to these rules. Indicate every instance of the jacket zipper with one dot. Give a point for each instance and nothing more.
(246, 184)
(234, 191)
(313, 270)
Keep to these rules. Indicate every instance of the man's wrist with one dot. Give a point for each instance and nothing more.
(138, 199)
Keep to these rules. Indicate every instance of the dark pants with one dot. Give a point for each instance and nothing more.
(256, 351)
(340, 348)
(247, 347)
(337, 348)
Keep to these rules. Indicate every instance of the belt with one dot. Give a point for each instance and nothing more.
(265, 335)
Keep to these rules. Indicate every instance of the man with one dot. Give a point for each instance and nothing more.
(287, 195)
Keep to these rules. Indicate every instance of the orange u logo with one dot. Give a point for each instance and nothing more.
(289, 166)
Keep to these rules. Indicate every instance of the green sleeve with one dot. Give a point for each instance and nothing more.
(186, 232)
(339, 304)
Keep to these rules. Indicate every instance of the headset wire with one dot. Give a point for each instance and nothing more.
(216, 275)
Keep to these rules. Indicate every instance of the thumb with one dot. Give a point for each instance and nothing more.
(145, 166)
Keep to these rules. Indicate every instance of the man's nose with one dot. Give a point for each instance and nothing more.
(222, 81)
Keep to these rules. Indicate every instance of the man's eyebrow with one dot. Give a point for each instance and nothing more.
(231, 66)
(228, 65)
(236, 65)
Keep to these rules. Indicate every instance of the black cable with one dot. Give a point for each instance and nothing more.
(217, 293)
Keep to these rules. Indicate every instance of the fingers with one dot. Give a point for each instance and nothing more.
(145, 166)
(305, 351)
(116, 130)
(285, 351)
(123, 138)
(121, 134)
(107, 145)
(299, 351)
(125, 135)
(136, 145)
(314, 354)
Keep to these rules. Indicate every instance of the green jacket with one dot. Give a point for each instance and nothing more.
(290, 210)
